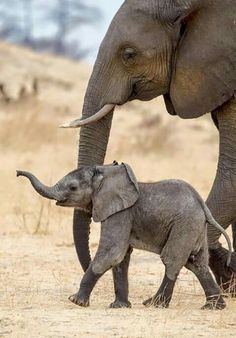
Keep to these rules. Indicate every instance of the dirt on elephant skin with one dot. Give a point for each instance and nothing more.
(38, 264)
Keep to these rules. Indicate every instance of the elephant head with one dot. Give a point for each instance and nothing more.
(100, 190)
(182, 49)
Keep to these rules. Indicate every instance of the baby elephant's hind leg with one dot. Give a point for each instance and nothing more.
(199, 266)
(164, 294)
(174, 256)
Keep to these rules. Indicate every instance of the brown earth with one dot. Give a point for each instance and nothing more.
(38, 264)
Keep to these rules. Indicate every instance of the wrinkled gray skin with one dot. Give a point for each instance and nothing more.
(184, 50)
(168, 218)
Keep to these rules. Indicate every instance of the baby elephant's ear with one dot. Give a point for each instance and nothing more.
(115, 189)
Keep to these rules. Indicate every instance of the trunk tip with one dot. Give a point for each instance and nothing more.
(20, 173)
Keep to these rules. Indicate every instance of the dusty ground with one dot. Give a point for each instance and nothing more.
(38, 265)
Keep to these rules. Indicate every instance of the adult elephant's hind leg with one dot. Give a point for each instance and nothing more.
(222, 198)
(121, 284)
(234, 234)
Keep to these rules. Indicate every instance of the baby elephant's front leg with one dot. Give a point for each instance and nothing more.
(113, 246)
(87, 284)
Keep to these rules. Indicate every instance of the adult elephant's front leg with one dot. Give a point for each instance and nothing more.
(222, 198)
(121, 284)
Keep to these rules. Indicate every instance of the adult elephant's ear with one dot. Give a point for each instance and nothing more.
(115, 189)
(204, 71)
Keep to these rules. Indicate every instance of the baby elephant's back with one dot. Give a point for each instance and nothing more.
(170, 202)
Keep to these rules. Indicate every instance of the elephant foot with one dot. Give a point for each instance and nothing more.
(214, 303)
(148, 302)
(117, 304)
(157, 301)
(78, 300)
(225, 275)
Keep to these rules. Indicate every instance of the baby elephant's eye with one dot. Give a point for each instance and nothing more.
(73, 188)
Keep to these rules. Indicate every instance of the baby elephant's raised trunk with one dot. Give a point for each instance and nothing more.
(48, 192)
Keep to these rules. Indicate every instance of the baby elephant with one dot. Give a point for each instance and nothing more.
(168, 218)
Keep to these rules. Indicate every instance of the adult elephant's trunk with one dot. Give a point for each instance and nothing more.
(48, 192)
(92, 150)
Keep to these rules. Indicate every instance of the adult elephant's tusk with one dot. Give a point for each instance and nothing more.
(96, 117)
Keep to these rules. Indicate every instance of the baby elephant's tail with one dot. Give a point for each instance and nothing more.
(212, 221)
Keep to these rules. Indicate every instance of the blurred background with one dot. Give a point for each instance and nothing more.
(73, 28)
(47, 49)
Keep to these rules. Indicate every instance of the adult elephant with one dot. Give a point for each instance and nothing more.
(186, 51)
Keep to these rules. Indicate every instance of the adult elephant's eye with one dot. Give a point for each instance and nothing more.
(129, 55)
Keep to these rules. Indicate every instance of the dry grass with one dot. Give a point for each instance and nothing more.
(38, 264)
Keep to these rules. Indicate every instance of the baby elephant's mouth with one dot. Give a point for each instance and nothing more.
(62, 203)
(66, 203)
